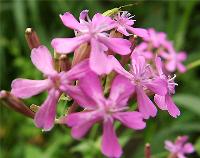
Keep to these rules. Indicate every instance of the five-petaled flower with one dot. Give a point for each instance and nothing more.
(93, 31)
(54, 83)
(180, 147)
(105, 110)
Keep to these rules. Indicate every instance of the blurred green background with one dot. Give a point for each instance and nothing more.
(18, 135)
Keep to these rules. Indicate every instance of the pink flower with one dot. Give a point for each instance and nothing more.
(173, 59)
(124, 24)
(106, 110)
(142, 50)
(53, 84)
(166, 102)
(180, 148)
(156, 38)
(142, 78)
(94, 32)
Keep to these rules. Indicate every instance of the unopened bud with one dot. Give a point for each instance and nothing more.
(147, 151)
(15, 104)
(32, 38)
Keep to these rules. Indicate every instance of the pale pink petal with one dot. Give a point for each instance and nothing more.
(118, 68)
(181, 68)
(67, 45)
(181, 140)
(180, 155)
(132, 120)
(182, 56)
(99, 62)
(78, 71)
(110, 145)
(79, 96)
(171, 65)
(145, 105)
(121, 90)
(25, 88)
(118, 45)
(139, 32)
(158, 86)
(91, 86)
(172, 108)
(159, 66)
(170, 146)
(188, 148)
(45, 116)
(103, 23)
(123, 30)
(160, 101)
(70, 21)
(42, 59)
(81, 122)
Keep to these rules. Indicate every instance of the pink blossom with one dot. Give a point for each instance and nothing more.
(166, 102)
(173, 59)
(157, 39)
(142, 79)
(180, 147)
(94, 32)
(124, 24)
(142, 50)
(90, 96)
(53, 84)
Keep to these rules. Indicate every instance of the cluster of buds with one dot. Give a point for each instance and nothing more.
(99, 79)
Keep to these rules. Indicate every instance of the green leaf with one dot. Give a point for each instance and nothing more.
(197, 146)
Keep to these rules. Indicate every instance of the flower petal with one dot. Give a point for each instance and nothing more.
(146, 107)
(79, 96)
(103, 23)
(91, 86)
(172, 108)
(110, 145)
(121, 90)
(139, 32)
(118, 45)
(42, 59)
(81, 122)
(83, 15)
(70, 21)
(170, 146)
(67, 45)
(78, 71)
(188, 148)
(132, 120)
(158, 86)
(25, 88)
(45, 116)
(99, 62)
(160, 101)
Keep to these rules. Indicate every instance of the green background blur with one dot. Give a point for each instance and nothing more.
(19, 138)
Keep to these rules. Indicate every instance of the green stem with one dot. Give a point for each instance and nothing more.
(193, 64)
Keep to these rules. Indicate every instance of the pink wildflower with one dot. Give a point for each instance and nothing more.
(53, 84)
(94, 32)
(142, 79)
(98, 108)
(157, 39)
(173, 59)
(166, 102)
(180, 147)
(124, 24)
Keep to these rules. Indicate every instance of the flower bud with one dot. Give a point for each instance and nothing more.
(15, 104)
(32, 38)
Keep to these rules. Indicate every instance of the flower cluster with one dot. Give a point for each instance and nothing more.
(180, 147)
(101, 80)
